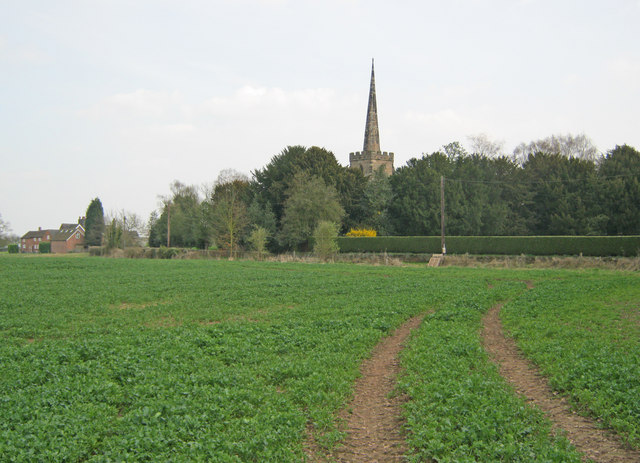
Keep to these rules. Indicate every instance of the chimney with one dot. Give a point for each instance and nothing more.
(39, 228)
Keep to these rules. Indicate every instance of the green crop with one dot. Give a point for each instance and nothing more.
(110, 360)
(152, 360)
(584, 333)
(460, 409)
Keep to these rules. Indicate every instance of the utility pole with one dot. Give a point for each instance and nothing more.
(124, 230)
(169, 224)
(444, 248)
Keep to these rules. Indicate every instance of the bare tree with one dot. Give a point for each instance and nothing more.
(6, 237)
(126, 228)
(227, 176)
(4, 226)
(481, 144)
(578, 146)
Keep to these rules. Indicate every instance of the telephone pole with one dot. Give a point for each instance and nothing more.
(169, 225)
(444, 248)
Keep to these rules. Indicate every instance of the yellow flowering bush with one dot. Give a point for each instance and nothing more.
(367, 232)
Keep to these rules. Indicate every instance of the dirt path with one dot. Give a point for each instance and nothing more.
(597, 444)
(372, 418)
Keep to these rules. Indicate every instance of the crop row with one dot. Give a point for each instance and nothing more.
(585, 335)
(460, 408)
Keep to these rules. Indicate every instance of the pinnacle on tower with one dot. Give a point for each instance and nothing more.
(371, 134)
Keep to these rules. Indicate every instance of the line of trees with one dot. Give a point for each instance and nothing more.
(559, 185)
(557, 188)
(548, 194)
(287, 199)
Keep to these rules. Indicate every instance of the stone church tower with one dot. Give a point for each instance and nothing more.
(371, 158)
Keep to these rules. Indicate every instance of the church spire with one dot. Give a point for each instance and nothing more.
(371, 134)
(371, 159)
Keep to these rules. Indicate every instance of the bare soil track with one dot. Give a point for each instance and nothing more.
(598, 444)
(373, 419)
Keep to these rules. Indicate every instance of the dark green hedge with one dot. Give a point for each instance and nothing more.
(44, 248)
(13, 249)
(508, 245)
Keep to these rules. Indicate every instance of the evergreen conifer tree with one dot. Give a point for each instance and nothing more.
(94, 224)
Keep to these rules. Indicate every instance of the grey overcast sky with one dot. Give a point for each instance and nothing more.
(117, 98)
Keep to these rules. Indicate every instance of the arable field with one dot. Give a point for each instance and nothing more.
(148, 360)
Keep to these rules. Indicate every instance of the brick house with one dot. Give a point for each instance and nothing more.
(30, 241)
(68, 238)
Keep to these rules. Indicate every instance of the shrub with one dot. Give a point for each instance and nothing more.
(324, 239)
(365, 232)
(134, 252)
(96, 250)
(258, 240)
(13, 249)
(44, 248)
(149, 253)
(167, 253)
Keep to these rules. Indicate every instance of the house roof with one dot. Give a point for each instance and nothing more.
(38, 234)
(71, 227)
(64, 235)
(66, 228)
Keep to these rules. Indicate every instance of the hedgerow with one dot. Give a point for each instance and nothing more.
(508, 245)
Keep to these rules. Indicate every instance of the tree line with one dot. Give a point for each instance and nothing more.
(547, 194)
(554, 186)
